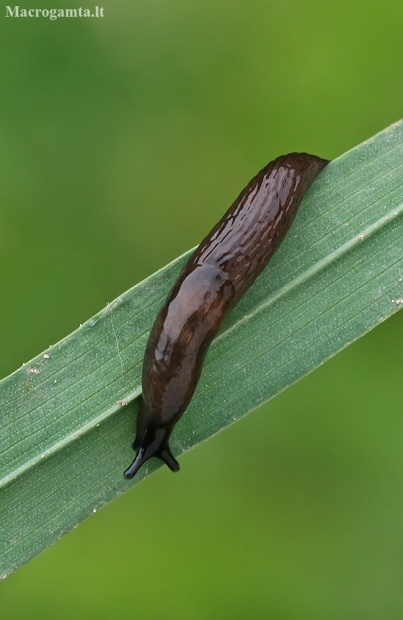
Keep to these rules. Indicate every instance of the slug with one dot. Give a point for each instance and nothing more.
(215, 277)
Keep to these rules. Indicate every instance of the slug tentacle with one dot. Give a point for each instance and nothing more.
(151, 442)
(216, 276)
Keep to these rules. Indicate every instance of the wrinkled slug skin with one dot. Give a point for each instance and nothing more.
(216, 276)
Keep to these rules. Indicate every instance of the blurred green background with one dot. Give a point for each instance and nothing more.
(123, 140)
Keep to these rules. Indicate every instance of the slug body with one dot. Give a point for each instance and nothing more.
(216, 276)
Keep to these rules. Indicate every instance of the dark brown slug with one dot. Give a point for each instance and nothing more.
(215, 277)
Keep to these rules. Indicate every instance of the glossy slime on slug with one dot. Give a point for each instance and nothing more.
(213, 280)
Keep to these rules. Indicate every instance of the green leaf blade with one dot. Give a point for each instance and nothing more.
(64, 437)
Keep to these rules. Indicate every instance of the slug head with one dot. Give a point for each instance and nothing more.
(151, 442)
